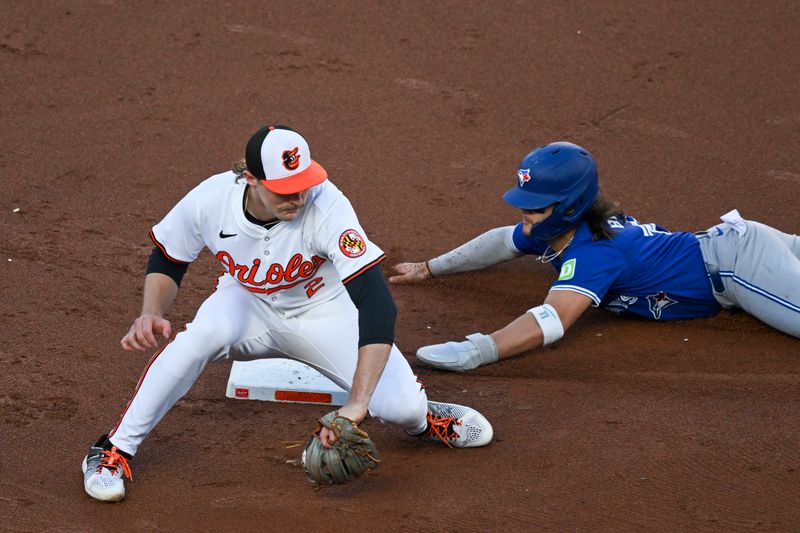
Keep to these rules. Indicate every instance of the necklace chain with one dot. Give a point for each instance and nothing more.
(547, 257)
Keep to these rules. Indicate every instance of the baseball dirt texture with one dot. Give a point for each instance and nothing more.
(113, 110)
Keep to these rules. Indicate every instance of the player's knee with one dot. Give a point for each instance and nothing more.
(215, 335)
(192, 350)
(404, 408)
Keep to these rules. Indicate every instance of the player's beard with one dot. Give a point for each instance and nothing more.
(527, 228)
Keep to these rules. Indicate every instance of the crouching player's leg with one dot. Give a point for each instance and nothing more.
(326, 338)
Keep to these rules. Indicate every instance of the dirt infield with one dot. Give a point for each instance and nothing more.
(112, 110)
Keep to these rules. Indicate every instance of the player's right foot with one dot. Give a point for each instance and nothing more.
(104, 469)
(457, 426)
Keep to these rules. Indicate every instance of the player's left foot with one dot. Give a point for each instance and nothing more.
(104, 469)
(457, 426)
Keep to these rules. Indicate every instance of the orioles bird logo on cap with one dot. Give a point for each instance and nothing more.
(290, 159)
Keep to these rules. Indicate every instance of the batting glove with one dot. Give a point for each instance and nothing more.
(477, 350)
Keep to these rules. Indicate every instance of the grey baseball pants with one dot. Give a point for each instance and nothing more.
(758, 272)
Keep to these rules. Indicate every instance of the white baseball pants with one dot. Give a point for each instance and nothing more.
(233, 323)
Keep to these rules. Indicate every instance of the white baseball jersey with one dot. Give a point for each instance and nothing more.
(293, 266)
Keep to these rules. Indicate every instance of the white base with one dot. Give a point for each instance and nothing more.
(282, 380)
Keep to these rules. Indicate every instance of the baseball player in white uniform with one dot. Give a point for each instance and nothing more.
(300, 280)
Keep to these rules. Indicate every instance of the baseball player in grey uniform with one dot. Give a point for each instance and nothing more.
(606, 259)
(300, 280)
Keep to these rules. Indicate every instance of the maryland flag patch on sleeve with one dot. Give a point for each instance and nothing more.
(352, 244)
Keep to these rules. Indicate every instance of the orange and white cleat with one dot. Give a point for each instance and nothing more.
(457, 426)
(104, 471)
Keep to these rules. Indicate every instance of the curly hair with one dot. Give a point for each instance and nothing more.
(598, 216)
(239, 166)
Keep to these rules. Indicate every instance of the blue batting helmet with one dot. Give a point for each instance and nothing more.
(558, 173)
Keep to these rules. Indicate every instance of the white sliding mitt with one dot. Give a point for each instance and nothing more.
(477, 350)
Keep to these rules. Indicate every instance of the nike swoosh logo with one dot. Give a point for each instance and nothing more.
(226, 235)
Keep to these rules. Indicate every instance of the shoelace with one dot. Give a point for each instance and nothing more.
(112, 458)
(442, 429)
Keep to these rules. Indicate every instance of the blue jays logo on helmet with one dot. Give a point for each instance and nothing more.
(565, 177)
(524, 174)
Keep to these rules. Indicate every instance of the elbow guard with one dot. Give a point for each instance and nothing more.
(549, 321)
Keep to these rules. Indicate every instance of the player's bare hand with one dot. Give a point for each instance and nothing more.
(354, 412)
(143, 331)
(410, 273)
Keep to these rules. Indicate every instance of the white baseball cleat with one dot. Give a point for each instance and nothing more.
(457, 426)
(104, 472)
